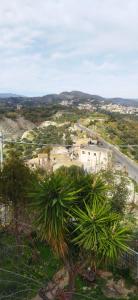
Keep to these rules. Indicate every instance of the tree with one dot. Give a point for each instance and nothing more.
(68, 140)
(47, 150)
(118, 189)
(15, 179)
(82, 235)
(52, 200)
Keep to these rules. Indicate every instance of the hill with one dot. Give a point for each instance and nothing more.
(8, 95)
(74, 96)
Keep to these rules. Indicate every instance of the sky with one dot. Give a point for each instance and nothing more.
(51, 46)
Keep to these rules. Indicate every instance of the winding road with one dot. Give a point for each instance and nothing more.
(130, 166)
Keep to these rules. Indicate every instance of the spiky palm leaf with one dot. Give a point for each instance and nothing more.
(98, 231)
(97, 190)
(52, 199)
(91, 187)
(116, 241)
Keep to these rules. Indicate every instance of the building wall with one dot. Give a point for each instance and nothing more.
(94, 160)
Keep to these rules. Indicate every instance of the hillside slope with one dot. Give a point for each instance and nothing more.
(15, 128)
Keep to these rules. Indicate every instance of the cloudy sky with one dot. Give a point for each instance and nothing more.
(49, 46)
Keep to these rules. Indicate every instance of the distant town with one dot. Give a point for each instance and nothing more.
(117, 108)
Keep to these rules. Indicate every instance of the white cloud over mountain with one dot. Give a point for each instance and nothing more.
(55, 45)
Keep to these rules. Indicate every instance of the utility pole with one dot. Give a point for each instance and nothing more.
(1, 150)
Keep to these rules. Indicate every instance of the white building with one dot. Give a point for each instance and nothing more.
(95, 158)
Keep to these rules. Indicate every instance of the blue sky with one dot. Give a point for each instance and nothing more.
(50, 46)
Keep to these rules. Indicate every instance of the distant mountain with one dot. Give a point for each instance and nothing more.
(74, 96)
(9, 95)
(123, 101)
(78, 96)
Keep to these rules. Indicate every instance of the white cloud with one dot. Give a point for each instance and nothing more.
(53, 45)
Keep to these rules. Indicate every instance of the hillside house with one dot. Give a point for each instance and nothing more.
(38, 162)
(59, 156)
(95, 158)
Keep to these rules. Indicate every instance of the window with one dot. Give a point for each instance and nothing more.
(83, 152)
(89, 153)
(94, 154)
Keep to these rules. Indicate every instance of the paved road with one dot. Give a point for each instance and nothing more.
(130, 165)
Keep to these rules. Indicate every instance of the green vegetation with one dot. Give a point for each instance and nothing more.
(35, 139)
(51, 135)
(39, 113)
(118, 189)
(35, 266)
(23, 273)
(67, 219)
(15, 180)
(121, 131)
(56, 113)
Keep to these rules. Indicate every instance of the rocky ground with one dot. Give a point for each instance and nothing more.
(15, 128)
(111, 287)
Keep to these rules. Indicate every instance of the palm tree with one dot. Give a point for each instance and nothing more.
(52, 200)
(99, 236)
(80, 234)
